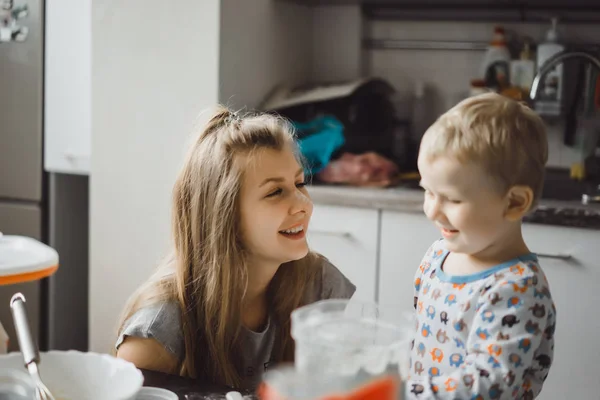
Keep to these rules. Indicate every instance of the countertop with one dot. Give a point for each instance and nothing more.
(407, 199)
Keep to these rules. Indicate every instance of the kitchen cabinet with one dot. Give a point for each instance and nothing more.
(348, 238)
(405, 238)
(569, 259)
(567, 256)
(68, 86)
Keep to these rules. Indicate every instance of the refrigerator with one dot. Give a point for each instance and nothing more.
(49, 207)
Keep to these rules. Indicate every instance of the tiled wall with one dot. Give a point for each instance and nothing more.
(447, 73)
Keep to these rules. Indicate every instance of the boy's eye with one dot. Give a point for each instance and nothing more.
(275, 192)
(454, 201)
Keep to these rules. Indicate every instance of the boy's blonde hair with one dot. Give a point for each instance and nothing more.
(504, 136)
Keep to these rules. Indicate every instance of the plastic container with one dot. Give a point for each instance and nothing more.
(345, 348)
(522, 71)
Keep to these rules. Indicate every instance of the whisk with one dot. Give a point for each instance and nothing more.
(31, 355)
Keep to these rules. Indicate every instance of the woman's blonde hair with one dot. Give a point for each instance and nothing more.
(206, 274)
(504, 136)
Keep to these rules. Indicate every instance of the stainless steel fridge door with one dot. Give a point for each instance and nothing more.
(26, 220)
(21, 102)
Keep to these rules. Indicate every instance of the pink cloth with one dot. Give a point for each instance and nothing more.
(368, 169)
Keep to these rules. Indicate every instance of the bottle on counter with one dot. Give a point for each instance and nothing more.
(420, 112)
(522, 71)
(496, 62)
(553, 81)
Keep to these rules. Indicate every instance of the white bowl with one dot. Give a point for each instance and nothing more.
(74, 375)
(154, 393)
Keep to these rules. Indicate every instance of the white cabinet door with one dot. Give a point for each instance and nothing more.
(405, 238)
(68, 86)
(348, 238)
(575, 288)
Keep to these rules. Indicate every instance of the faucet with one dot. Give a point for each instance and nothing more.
(586, 198)
(556, 59)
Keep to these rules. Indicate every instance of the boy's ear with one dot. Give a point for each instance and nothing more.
(519, 201)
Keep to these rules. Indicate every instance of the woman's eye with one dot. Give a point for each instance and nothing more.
(275, 192)
(301, 184)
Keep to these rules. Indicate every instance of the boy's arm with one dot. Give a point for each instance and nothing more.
(509, 350)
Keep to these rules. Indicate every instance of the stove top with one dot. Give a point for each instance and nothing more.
(571, 217)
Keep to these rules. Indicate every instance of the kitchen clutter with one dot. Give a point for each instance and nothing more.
(501, 73)
(352, 132)
(510, 68)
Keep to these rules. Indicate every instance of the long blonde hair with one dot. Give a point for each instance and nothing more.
(206, 274)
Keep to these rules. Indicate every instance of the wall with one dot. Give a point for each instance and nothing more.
(336, 50)
(263, 43)
(154, 67)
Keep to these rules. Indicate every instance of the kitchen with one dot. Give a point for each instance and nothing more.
(131, 95)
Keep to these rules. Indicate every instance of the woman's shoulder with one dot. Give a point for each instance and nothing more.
(330, 282)
(160, 321)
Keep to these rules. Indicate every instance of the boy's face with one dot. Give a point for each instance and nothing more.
(464, 204)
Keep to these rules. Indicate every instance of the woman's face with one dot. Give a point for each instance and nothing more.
(275, 207)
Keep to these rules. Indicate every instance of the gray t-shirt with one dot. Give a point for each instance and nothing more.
(162, 322)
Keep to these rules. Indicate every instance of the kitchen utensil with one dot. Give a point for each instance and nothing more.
(28, 347)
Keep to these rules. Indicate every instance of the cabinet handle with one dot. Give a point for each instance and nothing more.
(346, 235)
(555, 256)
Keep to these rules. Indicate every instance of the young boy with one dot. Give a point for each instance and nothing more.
(485, 315)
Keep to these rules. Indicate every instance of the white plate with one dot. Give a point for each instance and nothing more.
(74, 375)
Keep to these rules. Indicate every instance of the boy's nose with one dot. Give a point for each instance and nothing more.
(432, 209)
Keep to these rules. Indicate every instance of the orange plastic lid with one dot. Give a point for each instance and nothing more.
(23, 259)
